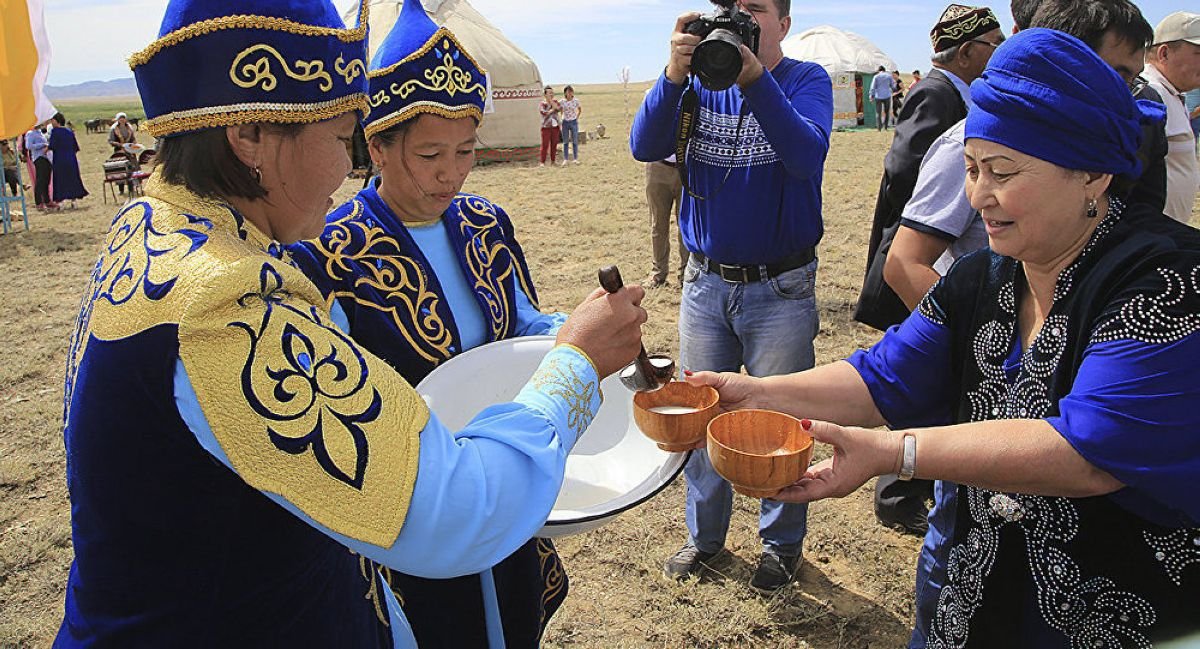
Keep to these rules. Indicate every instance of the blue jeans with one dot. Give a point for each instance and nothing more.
(769, 327)
(570, 136)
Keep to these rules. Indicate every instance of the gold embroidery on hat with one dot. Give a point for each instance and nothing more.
(260, 70)
(955, 32)
(447, 78)
(248, 22)
(380, 98)
(349, 71)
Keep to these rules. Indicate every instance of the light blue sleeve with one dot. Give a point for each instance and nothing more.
(532, 322)
(481, 492)
(939, 199)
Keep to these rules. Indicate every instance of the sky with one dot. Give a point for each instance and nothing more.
(572, 41)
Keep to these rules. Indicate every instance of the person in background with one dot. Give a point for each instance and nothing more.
(1172, 68)
(1193, 105)
(37, 147)
(551, 112)
(11, 164)
(120, 134)
(939, 226)
(412, 238)
(240, 468)
(663, 192)
(751, 218)
(1052, 377)
(68, 184)
(897, 96)
(963, 41)
(571, 111)
(916, 75)
(882, 88)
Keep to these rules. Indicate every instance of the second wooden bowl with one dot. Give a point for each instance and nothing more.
(759, 451)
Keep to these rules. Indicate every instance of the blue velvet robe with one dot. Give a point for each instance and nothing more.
(397, 307)
(238, 465)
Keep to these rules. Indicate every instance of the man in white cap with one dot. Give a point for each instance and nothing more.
(120, 134)
(1173, 68)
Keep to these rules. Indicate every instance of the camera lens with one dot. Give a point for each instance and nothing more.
(717, 60)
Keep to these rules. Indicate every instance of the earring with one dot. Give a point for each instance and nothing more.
(1092, 212)
(256, 175)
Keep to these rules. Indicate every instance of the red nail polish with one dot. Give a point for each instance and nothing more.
(806, 424)
(687, 372)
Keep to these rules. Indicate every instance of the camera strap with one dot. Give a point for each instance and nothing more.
(689, 113)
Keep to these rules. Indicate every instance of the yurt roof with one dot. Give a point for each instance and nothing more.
(836, 50)
(507, 65)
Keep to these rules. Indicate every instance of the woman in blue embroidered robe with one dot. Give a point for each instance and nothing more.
(238, 465)
(424, 272)
(1052, 377)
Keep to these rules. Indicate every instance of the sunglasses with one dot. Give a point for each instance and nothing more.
(988, 43)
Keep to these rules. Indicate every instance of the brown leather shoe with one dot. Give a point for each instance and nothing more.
(654, 282)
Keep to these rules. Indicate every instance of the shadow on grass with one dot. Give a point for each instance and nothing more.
(42, 242)
(813, 609)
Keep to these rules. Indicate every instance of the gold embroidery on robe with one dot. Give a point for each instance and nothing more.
(552, 572)
(485, 242)
(557, 378)
(297, 407)
(377, 263)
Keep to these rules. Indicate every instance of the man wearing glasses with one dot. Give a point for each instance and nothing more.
(963, 41)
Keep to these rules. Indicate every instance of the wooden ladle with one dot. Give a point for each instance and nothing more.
(646, 373)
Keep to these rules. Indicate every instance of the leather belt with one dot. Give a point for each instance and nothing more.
(746, 273)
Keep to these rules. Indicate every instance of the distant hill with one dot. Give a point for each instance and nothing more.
(92, 89)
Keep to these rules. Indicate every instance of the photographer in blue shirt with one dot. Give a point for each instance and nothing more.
(751, 220)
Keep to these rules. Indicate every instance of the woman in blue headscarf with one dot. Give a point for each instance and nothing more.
(240, 468)
(1052, 377)
(425, 272)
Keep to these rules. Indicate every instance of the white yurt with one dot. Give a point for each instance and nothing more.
(850, 59)
(511, 127)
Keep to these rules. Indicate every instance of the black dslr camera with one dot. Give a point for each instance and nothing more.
(717, 60)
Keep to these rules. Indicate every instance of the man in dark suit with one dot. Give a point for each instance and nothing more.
(963, 41)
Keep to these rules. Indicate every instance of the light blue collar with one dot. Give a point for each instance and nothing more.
(964, 89)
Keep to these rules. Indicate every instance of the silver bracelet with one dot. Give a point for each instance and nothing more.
(908, 461)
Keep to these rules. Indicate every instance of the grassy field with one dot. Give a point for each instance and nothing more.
(78, 111)
(855, 587)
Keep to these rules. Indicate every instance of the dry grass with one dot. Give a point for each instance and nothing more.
(856, 584)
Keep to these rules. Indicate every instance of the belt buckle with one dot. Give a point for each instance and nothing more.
(726, 271)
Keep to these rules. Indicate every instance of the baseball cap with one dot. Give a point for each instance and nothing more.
(1179, 26)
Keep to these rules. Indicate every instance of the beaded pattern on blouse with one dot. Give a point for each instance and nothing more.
(1091, 611)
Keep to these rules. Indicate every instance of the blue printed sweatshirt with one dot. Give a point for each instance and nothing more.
(770, 208)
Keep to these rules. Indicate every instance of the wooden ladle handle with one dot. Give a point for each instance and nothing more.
(610, 279)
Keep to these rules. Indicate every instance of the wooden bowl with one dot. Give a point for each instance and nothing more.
(759, 451)
(676, 415)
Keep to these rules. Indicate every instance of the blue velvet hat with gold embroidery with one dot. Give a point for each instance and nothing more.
(225, 62)
(422, 68)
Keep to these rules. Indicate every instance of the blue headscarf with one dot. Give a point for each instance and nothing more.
(1047, 94)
